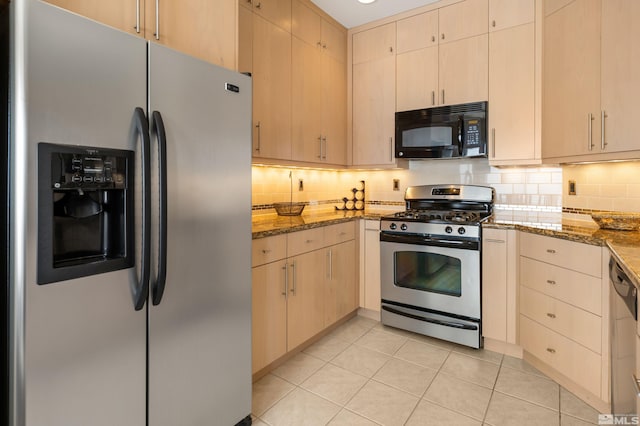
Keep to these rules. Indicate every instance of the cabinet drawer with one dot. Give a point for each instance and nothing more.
(580, 326)
(583, 291)
(305, 241)
(567, 357)
(269, 249)
(567, 254)
(336, 234)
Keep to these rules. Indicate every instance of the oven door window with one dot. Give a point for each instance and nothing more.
(432, 272)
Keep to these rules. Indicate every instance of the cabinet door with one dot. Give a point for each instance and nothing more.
(571, 75)
(494, 284)
(461, 20)
(277, 12)
(200, 28)
(245, 39)
(341, 289)
(509, 13)
(271, 90)
(371, 299)
(334, 41)
(373, 112)
(373, 44)
(269, 314)
(464, 70)
(334, 109)
(119, 14)
(417, 79)
(417, 32)
(306, 24)
(306, 98)
(620, 71)
(512, 93)
(305, 308)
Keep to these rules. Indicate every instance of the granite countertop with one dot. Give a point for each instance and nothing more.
(266, 225)
(624, 245)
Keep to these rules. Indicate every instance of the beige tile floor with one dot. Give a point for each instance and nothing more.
(364, 373)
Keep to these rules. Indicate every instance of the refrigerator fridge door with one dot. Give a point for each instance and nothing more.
(78, 348)
(200, 331)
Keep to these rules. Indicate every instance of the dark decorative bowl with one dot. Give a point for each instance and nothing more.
(289, 209)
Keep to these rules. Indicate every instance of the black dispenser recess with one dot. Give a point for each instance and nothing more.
(85, 211)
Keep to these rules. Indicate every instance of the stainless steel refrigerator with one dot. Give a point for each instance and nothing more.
(128, 283)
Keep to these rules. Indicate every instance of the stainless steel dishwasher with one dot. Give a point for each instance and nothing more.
(624, 315)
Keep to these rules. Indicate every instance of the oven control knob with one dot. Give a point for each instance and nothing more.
(448, 229)
(461, 231)
(403, 226)
(393, 226)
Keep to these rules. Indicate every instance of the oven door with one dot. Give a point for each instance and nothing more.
(432, 274)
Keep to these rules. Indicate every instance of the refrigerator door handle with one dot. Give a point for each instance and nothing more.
(157, 128)
(140, 129)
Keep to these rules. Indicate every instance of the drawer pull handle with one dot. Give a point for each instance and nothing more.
(552, 282)
(551, 350)
(550, 315)
(552, 251)
(265, 251)
(309, 241)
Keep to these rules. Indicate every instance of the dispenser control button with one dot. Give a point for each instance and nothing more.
(88, 179)
(76, 179)
(461, 231)
(98, 179)
(108, 179)
(448, 229)
(403, 226)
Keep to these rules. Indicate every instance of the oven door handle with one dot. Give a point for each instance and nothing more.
(429, 241)
(452, 324)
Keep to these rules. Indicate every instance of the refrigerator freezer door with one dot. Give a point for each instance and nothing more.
(200, 332)
(84, 344)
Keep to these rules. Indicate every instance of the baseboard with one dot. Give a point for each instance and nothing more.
(369, 313)
(501, 347)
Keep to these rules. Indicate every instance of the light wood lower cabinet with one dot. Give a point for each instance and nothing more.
(370, 269)
(499, 285)
(303, 282)
(564, 312)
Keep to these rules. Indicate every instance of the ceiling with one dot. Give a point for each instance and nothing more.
(352, 13)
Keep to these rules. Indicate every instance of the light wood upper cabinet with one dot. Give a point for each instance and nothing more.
(126, 15)
(417, 32)
(245, 40)
(271, 90)
(620, 82)
(277, 12)
(373, 112)
(442, 56)
(374, 44)
(200, 28)
(374, 99)
(463, 71)
(571, 98)
(509, 13)
(462, 20)
(512, 94)
(319, 89)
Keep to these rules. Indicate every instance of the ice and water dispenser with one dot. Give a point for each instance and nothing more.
(85, 211)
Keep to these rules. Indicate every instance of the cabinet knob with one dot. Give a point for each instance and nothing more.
(551, 251)
(550, 315)
(552, 282)
(391, 49)
(493, 23)
(442, 36)
(433, 39)
(259, 5)
(265, 251)
(551, 350)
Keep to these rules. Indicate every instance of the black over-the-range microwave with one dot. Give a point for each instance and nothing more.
(451, 131)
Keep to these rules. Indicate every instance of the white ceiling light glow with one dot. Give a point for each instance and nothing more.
(352, 13)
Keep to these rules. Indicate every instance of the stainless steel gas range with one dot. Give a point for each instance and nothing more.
(430, 262)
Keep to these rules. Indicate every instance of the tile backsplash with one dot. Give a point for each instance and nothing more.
(533, 187)
(603, 186)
